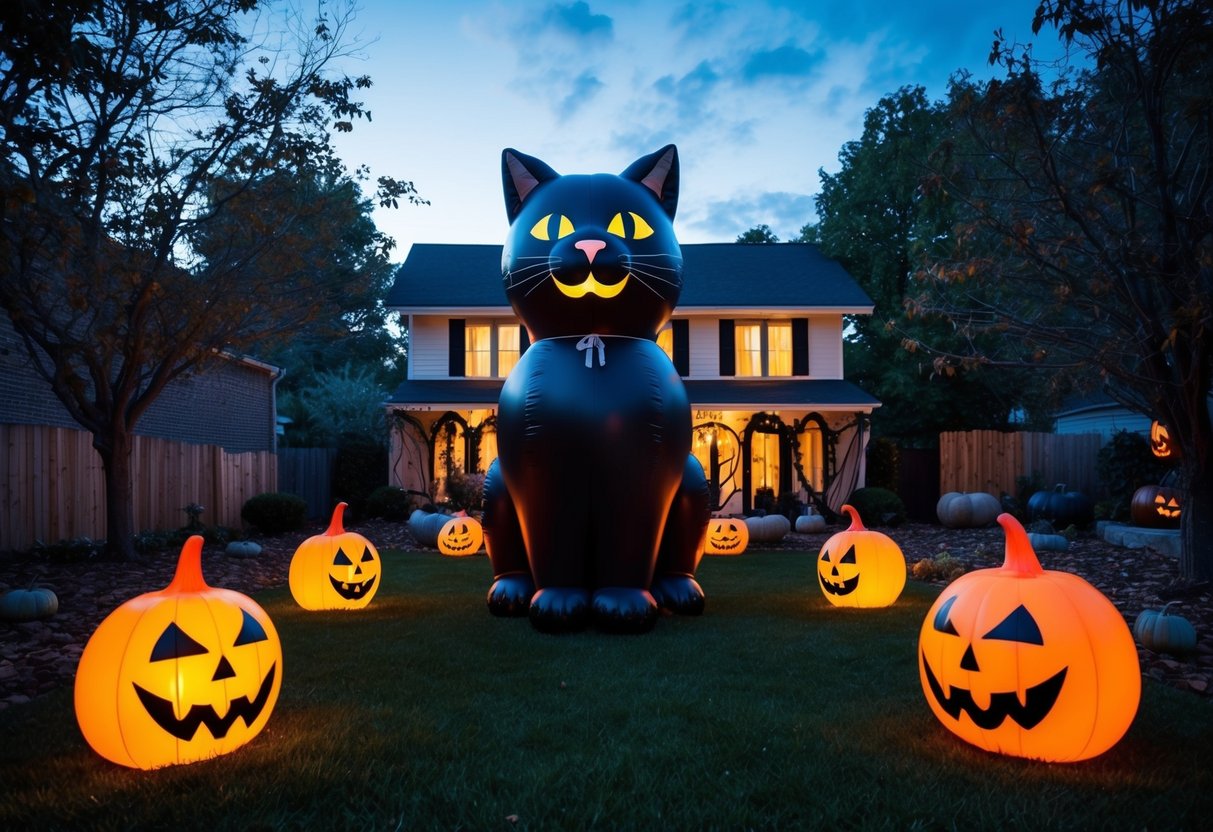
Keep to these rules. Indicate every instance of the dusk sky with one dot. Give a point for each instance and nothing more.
(758, 95)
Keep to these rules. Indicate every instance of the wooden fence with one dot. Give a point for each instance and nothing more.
(988, 460)
(52, 487)
(308, 472)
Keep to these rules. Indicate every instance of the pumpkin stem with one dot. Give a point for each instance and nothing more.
(1166, 607)
(1021, 557)
(335, 528)
(856, 521)
(188, 577)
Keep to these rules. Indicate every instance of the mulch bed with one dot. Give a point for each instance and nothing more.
(37, 657)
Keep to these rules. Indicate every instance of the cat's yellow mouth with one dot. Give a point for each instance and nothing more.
(591, 286)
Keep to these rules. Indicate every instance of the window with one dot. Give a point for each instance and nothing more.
(478, 350)
(487, 349)
(665, 340)
(508, 348)
(766, 348)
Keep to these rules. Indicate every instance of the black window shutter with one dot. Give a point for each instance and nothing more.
(682, 346)
(728, 349)
(524, 339)
(800, 346)
(458, 347)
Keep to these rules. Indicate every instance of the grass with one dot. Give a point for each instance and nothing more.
(772, 711)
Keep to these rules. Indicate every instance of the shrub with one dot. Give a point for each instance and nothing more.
(884, 464)
(360, 468)
(389, 502)
(275, 512)
(943, 567)
(1124, 464)
(465, 492)
(878, 506)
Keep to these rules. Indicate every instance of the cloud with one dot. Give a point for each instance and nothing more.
(585, 87)
(577, 20)
(692, 93)
(723, 220)
(784, 61)
(699, 19)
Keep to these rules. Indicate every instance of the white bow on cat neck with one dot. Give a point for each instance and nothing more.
(587, 344)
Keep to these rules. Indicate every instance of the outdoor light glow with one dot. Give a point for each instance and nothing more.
(1029, 662)
(179, 675)
(337, 570)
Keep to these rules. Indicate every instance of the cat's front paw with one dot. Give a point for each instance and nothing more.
(679, 594)
(624, 610)
(559, 609)
(510, 595)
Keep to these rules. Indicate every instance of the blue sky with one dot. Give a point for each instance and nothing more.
(757, 94)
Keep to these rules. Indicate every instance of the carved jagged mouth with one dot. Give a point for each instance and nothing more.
(351, 591)
(1039, 701)
(591, 286)
(459, 547)
(161, 711)
(845, 588)
(727, 543)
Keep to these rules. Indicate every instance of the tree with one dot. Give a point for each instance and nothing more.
(1086, 240)
(758, 234)
(133, 134)
(874, 219)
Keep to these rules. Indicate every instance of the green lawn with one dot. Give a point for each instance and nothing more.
(772, 711)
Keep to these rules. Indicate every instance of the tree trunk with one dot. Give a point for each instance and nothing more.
(115, 453)
(1196, 529)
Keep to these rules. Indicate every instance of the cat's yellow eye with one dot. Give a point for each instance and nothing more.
(643, 229)
(640, 228)
(540, 229)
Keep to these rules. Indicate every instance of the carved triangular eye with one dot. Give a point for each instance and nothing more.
(342, 559)
(825, 556)
(251, 631)
(175, 643)
(1018, 626)
(366, 555)
(943, 618)
(849, 557)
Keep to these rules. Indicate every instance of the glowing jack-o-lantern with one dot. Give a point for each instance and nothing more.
(460, 536)
(861, 568)
(1160, 441)
(726, 537)
(178, 675)
(1029, 662)
(337, 570)
(1156, 506)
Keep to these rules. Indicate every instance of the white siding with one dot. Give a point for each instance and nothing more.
(825, 346)
(703, 343)
(429, 348)
(1105, 422)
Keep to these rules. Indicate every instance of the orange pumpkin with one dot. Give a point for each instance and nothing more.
(860, 568)
(336, 570)
(460, 536)
(1156, 507)
(1029, 662)
(726, 537)
(179, 675)
(1160, 441)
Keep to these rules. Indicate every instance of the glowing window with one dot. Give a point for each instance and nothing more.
(478, 350)
(749, 349)
(665, 340)
(508, 342)
(779, 348)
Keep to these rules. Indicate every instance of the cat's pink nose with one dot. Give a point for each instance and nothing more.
(590, 247)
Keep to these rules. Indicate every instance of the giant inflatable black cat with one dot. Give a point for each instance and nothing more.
(595, 509)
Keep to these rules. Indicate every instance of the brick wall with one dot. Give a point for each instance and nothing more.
(230, 404)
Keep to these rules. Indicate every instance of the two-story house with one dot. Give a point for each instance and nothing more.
(757, 338)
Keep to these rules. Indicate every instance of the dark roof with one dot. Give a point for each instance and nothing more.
(742, 393)
(728, 275)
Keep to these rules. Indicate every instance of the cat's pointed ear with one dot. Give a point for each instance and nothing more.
(659, 173)
(519, 175)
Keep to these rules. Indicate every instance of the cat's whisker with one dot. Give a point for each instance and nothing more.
(656, 277)
(526, 275)
(536, 286)
(653, 256)
(647, 286)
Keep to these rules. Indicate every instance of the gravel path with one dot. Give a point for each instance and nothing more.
(37, 657)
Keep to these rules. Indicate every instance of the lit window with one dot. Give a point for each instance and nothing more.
(749, 349)
(779, 348)
(478, 350)
(665, 340)
(508, 342)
